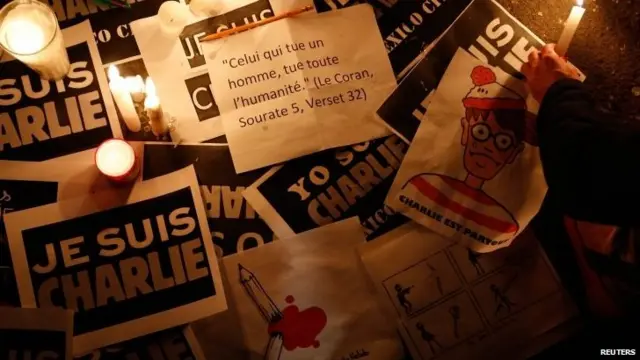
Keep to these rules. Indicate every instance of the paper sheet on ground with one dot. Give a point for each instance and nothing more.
(456, 304)
(300, 85)
(176, 64)
(35, 333)
(473, 171)
(129, 261)
(311, 290)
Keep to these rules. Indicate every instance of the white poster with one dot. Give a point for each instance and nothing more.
(300, 85)
(473, 171)
(129, 261)
(177, 66)
(42, 120)
(453, 303)
(304, 297)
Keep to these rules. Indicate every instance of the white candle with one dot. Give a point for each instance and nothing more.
(29, 31)
(122, 97)
(570, 28)
(136, 87)
(173, 17)
(154, 110)
(116, 159)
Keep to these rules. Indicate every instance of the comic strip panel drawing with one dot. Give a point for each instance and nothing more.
(288, 329)
(515, 288)
(494, 129)
(445, 326)
(422, 284)
(474, 265)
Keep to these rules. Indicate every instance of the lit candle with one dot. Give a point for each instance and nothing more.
(154, 111)
(122, 97)
(136, 87)
(173, 17)
(29, 31)
(116, 159)
(570, 28)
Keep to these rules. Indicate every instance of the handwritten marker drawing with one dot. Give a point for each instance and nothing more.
(500, 296)
(428, 337)
(289, 328)
(455, 317)
(402, 294)
(474, 259)
(5, 196)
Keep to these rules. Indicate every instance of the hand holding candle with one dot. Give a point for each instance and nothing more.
(154, 111)
(122, 98)
(570, 28)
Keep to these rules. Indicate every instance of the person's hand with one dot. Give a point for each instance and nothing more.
(544, 69)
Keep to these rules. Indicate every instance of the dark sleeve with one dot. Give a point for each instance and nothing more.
(591, 164)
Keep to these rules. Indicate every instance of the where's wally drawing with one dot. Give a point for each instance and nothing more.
(473, 171)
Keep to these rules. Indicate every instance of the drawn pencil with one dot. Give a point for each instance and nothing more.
(274, 347)
(267, 307)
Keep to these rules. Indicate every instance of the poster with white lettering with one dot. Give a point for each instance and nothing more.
(110, 23)
(42, 120)
(302, 298)
(333, 185)
(234, 225)
(35, 334)
(408, 27)
(487, 31)
(174, 344)
(185, 91)
(129, 261)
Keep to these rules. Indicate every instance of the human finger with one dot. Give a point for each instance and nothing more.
(527, 70)
(534, 58)
(549, 49)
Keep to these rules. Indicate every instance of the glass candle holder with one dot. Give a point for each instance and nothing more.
(29, 31)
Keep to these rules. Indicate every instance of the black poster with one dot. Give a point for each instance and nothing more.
(407, 27)
(202, 99)
(234, 225)
(35, 334)
(334, 185)
(173, 344)
(110, 23)
(127, 261)
(41, 120)
(18, 195)
(485, 30)
(191, 35)
(19, 344)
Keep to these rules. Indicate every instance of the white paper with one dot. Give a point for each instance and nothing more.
(100, 331)
(468, 176)
(313, 280)
(470, 305)
(300, 85)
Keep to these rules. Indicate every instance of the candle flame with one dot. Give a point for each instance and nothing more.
(113, 72)
(150, 87)
(580, 3)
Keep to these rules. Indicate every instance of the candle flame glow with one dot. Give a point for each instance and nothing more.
(27, 37)
(150, 87)
(580, 3)
(113, 72)
(115, 158)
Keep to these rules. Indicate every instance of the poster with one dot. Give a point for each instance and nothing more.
(174, 344)
(473, 172)
(407, 27)
(300, 85)
(234, 225)
(453, 303)
(487, 31)
(302, 298)
(42, 120)
(185, 91)
(130, 261)
(52, 328)
(333, 185)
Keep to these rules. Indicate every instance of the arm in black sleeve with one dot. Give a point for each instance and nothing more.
(591, 165)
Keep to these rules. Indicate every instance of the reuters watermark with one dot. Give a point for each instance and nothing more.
(617, 352)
